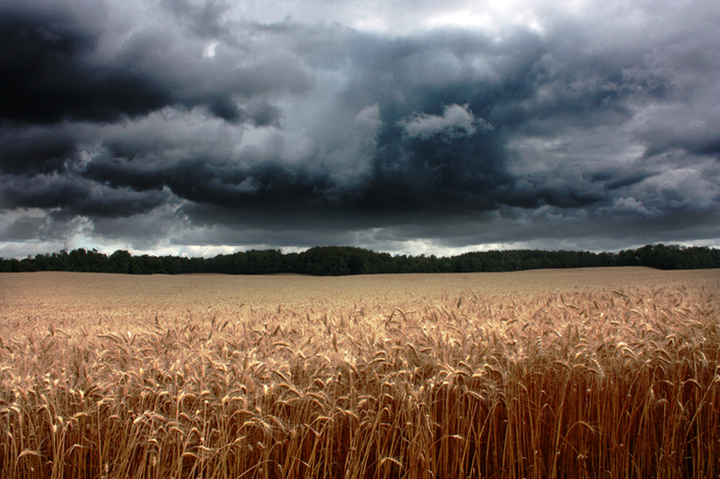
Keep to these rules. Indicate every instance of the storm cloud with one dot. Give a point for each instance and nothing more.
(186, 126)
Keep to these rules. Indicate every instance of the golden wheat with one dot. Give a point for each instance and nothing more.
(593, 376)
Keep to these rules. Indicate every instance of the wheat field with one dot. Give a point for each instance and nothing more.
(587, 373)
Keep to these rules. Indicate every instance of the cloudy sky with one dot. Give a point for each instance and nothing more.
(194, 127)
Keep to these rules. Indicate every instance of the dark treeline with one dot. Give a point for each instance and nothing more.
(337, 261)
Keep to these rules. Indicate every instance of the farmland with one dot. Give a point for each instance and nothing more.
(604, 372)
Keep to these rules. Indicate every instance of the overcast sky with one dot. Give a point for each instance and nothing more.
(193, 127)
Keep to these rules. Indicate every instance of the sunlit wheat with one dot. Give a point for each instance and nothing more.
(575, 383)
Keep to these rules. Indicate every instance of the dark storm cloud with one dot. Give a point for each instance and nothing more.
(35, 150)
(75, 196)
(45, 75)
(412, 175)
(225, 129)
(51, 70)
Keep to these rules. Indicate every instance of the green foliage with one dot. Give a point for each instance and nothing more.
(345, 260)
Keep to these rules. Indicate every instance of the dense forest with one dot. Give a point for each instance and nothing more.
(342, 260)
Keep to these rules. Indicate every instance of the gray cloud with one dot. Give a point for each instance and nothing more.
(205, 21)
(221, 128)
(456, 121)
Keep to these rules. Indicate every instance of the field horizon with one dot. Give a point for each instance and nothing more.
(49, 294)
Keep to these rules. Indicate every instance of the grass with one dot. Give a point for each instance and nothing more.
(617, 383)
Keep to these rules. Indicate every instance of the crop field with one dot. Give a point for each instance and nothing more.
(586, 373)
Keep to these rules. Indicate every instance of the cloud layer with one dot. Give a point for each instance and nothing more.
(186, 126)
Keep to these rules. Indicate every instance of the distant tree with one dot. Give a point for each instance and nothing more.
(119, 262)
(334, 260)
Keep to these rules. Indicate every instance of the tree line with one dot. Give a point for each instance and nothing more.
(345, 260)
